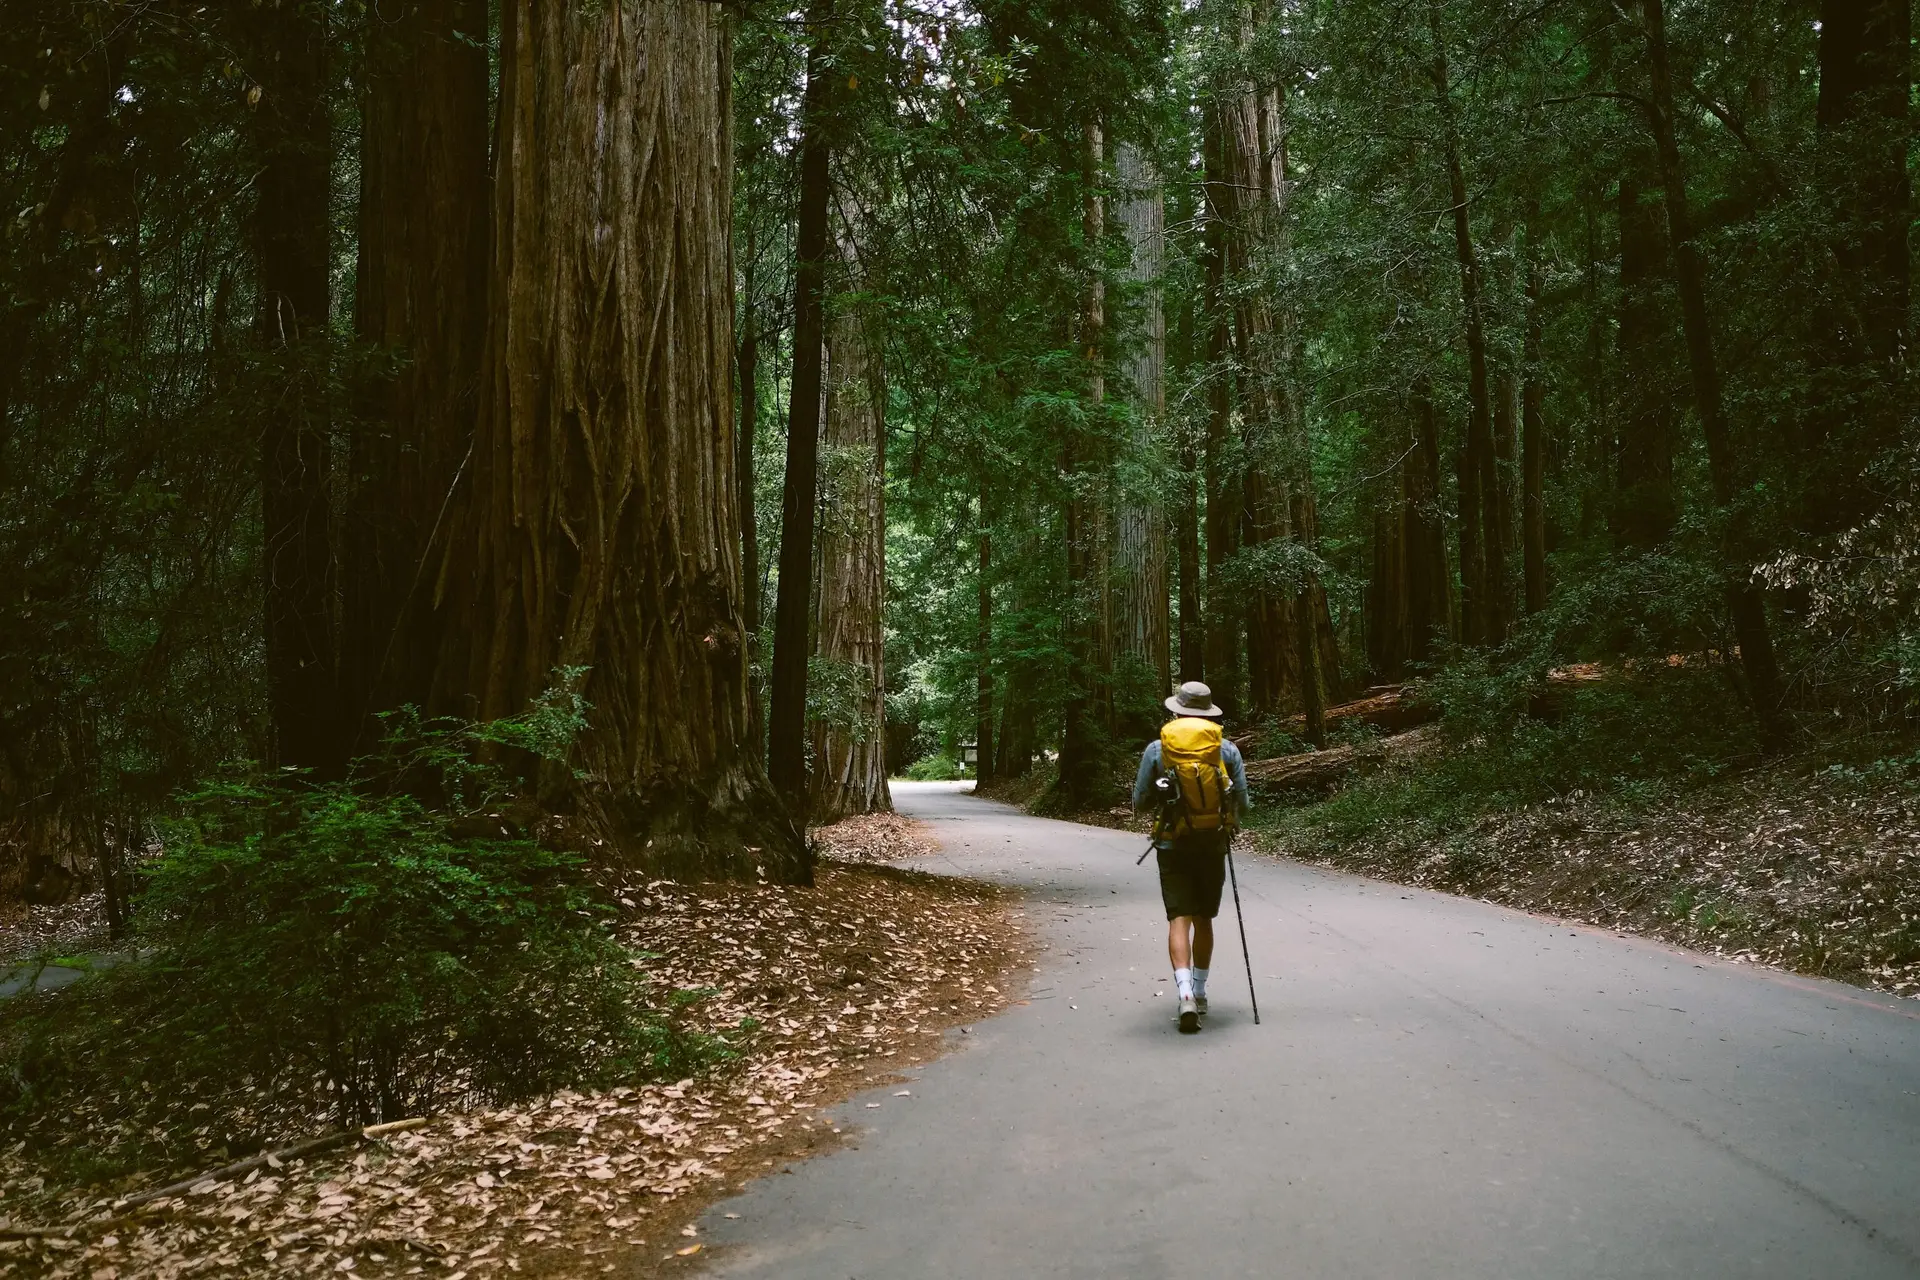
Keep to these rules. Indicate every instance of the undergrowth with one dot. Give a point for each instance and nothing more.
(371, 948)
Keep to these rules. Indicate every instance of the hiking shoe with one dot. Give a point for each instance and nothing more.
(1189, 1015)
(1200, 1002)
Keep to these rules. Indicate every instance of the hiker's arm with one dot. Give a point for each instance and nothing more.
(1237, 770)
(1143, 781)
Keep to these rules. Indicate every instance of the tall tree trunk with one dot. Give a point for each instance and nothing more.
(744, 497)
(850, 765)
(1643, 505)
(1081, 738)
(421, 294)
(1533, 441)
(787, 716)
(1222, 462)
(983, 655)
(1143, 614)
(1865, 83)
(1482, 565)
(1193, 631)
(1748, 610)
(1250, 198)
(599, 545)
(292, 139)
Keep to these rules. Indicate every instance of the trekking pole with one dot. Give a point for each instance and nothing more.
(1143, 857)
(1241, 917)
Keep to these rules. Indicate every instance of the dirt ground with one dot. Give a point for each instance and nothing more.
(1793, 865)
(841, 985)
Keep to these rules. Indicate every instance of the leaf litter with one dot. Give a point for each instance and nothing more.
(820, 991)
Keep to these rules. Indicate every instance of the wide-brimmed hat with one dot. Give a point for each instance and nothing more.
(1194, 699)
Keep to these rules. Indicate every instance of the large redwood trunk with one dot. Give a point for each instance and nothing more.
(598, 532)
(1533, 432)
(292, 146)
(850, 759)
(1410, 599)
(1142, 606)
(421, 295)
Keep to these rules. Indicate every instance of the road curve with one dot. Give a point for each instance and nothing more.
(1440, 1088)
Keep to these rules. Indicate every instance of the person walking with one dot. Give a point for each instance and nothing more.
(1195, 782)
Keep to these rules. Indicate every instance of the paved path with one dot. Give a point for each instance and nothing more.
(1441, 1088)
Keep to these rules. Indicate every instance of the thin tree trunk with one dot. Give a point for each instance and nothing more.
(1643, 508)
(850, 766)
(1193, 659)
(745, 438)
(1862, 116)
(1533, 443)
(1079, 748)
(1222, 462)
(292, 139)
(1143, 604)
(598, 546)
(421, 294)
(1723, 464)
(1482, 568)
(983, 655)
(787, 716)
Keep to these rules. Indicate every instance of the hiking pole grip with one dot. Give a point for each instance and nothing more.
(1241, 917)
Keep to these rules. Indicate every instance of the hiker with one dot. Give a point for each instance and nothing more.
(1196, 813)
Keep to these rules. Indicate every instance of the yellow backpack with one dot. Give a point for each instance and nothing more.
(1190, 760)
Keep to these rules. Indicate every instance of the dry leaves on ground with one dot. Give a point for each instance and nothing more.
(875, 837)
(1818, 872)
(836, 986)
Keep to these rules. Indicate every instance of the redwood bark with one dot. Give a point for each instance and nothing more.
(599, 530)
(1142, 611)
(787, 716)
(1482, 558)
(850, 764)
(1723, 463)
(421, 295)
(1222, 465)
(1080, 737)
(292, 139)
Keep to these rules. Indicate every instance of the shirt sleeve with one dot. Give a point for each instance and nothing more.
(1143, 781)
(1237, 770)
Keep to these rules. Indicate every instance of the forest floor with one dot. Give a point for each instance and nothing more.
(1796, 864)
(845, 983)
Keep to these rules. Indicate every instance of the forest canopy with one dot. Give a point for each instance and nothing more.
(816, 391)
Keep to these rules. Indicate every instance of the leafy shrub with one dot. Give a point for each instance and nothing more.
(401, 937)
(936, 768)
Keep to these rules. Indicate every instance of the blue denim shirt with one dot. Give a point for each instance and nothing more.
(1145, 795)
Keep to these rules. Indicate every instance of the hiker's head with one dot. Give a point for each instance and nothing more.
(1194, 699)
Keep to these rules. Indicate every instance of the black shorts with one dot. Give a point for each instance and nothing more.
(1191, 876)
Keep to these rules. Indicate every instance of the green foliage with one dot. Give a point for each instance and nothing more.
(401, 938)
(936, 768)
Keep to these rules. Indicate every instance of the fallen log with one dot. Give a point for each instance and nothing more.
(1323, 770)
(1391, 708)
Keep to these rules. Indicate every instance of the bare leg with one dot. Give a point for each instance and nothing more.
(1202, 944)
(1181, 931)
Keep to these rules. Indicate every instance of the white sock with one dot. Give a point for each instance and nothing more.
(1183, 979)
(1199, 982)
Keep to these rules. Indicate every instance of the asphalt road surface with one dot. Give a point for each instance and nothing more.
(1439, 1088)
